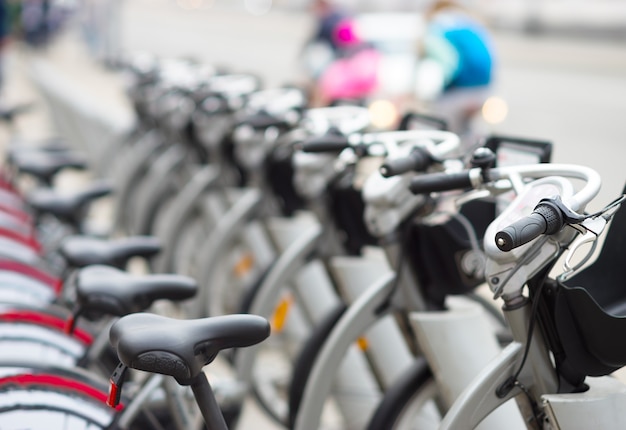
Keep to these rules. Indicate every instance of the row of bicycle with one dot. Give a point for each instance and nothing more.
(349, 241)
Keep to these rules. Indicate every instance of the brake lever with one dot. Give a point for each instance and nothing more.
(590, 230)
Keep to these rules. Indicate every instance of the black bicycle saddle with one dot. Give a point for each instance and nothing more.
(81, 251)
(262, 120)
(115, 292)
(44, 165)
(68, 207)
(180, 348)
(21, 147)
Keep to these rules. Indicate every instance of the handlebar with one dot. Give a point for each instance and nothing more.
(547, 218)
(424, 153)
(262, 120)
(418, 160)
(347, 119)
(8, 114)
(578, 201)
(446, 141)
(474, 178)
(438, 182)
(432, 121)
(327, 143)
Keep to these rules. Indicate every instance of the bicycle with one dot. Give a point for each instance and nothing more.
(53, 335)
(180, 349)
(546, 366)
(443, 235)
(57, 397)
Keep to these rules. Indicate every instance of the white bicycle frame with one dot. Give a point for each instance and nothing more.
(595, 408)
(384, 338)
(388, 201)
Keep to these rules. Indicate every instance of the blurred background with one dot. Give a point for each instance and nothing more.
(559, 75)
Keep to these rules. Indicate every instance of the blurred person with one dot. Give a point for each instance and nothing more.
(321, 48)
(328, 17)
(455, 68)
(340, 64)
(5, 34)
(41, 20)
(34, 21)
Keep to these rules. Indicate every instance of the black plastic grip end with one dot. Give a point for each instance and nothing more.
(327, 143)
(417, 161)
(436, 182)
(520, 232)
(547, 218)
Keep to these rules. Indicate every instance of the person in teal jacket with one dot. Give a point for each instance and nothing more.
(455, 70)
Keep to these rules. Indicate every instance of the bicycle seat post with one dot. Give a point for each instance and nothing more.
(205, 398)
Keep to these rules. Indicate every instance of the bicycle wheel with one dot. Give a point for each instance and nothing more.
(412, 403)
(40, 399)
(306, 358)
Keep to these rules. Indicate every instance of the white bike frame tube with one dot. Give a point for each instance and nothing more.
(284, 269)
(479, 398)
(133, 408)
(461, 344)
(578, 201)
(601, 406)
(385, 343)
(357, 319)
(314, 291)
(447, 141)
(130, 176)
(183, 205)
(227, 228)
(157, 181)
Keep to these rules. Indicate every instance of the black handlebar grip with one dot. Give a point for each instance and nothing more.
(547, 218)
(521, 231)
(326, 143)
(435, 182)
(417, 161)
(423, 120)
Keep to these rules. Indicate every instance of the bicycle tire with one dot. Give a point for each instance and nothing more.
(52, 399)
(39, 397)
(415, 391)
(306, 359)
(157, 187)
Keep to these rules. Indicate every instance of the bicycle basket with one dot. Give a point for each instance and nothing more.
(442, 256)
(347, 207)
(590, 308)
(279, 174)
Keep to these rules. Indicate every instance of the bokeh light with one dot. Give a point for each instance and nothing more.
(495, 110)
(383, 113)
